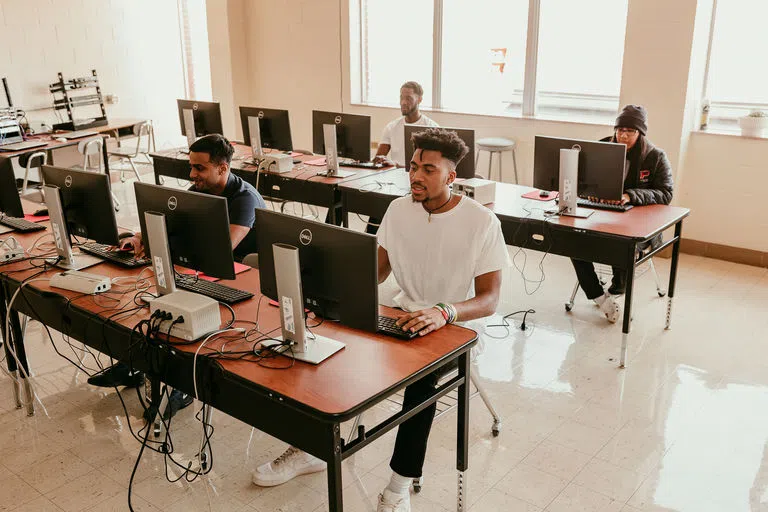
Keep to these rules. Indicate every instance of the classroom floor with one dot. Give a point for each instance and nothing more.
(682, 428)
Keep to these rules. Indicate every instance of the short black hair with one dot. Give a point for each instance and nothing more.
(413, 86)
(446, 142)
(217, 146)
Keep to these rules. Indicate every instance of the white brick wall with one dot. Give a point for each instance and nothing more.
(133, 45)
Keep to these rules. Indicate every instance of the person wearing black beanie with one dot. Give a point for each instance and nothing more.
(647, 180)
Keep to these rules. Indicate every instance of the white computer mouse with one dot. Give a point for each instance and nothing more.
(60, 139)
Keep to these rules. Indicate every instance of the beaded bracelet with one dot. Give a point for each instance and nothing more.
(448, 311)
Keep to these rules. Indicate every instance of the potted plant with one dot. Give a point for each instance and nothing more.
(754, 124)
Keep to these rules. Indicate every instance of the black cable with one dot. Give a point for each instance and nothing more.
(507, 325)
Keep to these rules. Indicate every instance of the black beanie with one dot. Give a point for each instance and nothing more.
(633, 116)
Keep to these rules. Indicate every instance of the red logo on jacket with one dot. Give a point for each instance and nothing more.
(644, 175)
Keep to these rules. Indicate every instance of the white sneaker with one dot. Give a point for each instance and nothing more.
(292, 463)
(391, 502)
(609, 307)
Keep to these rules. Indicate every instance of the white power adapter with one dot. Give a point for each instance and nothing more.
(200, 314)
(275, 162)
(10, 250)
(82, 282)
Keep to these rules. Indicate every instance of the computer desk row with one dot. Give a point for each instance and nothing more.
(302, 184)
(604, 237)
(304, 405)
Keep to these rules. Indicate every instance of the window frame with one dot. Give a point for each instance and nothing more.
(356, 51)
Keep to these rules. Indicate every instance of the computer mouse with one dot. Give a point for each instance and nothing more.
(544, 193)
(40, 212)
(60, 139)
(125, 234)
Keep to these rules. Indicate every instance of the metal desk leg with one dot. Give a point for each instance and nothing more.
(17, 338)
(462, 430)
(627, 308)
(13, 368)
(673, 273)
(335, 497)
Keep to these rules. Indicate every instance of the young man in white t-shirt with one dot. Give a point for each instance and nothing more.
(446, 252)
(392, 140)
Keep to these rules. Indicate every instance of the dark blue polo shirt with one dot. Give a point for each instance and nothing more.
(242, 201)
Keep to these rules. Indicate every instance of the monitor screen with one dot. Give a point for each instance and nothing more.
(339, 271)
(197, 224)
(10, 202)
(601, 166)
(353, 134)
(207, 116)
(466, 167)
(274, 125)
(86, 198)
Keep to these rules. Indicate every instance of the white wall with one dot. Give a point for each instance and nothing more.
(298, 59)
(133, 45)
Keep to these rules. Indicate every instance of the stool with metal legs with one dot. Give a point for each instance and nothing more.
(28, 162)
(496, 145)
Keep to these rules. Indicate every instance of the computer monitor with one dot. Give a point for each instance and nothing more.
(205, 117)
(601, 166)
(197, 225)
(10, 202)
(466, 167)
(339, 272)
(353, 134)
(274, 126)
(80, 205)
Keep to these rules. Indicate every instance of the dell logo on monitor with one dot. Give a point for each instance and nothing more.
(305, 237)
(261, 114)
(68, 181)
(337, 120)
(172, 203)
(194, 106)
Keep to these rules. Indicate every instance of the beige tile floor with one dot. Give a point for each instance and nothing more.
(683, 428)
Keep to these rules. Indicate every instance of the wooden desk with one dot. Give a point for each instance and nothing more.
(51, 145)
(119, 128)
(302, 184)
(604, 237)
(304, 405)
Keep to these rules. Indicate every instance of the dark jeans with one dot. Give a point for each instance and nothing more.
(589, 282)
(370, 227)
(411, 443)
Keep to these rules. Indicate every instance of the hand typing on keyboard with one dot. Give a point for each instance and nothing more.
(423, 321)
(132, 243)
(624, 200)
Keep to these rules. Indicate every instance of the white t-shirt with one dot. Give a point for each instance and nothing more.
(394, 135)
(438, 261)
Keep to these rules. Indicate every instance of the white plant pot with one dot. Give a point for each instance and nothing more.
(753, 126)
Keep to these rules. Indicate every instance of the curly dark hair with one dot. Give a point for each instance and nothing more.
(217, 146)
(414, 86)
(446, 142)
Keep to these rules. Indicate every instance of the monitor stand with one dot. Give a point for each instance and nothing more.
(306, 345)
(569, 179)
(67, 259)
(321, 348)
(332, 155)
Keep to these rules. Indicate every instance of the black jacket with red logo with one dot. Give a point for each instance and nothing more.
(649, 178)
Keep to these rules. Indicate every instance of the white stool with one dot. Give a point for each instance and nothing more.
(496, 145)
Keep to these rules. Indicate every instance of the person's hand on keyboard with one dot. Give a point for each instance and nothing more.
(423, 321)
(382, 159)
(132, 243)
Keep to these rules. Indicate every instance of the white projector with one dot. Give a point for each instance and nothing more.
(482, 191)
(201, 314)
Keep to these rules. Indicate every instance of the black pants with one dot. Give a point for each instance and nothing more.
(411, 443)
(373, 225)
(588, 280)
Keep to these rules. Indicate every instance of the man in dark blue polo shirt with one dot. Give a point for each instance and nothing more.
(209, 160)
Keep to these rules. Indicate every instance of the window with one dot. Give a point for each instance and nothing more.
(479, 57)
(195, 51)
(738, 77)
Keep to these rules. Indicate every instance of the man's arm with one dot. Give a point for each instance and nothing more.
(384, 267)
(484, 303)
(381, 153)
(237, 233)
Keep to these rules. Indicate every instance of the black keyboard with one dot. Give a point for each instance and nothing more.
(360, 165)
(215, 291)
(21, 225)
(122, 258)
(387, 326)
(586, 203)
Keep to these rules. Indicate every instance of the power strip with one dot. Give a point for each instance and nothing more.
(10, 250)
